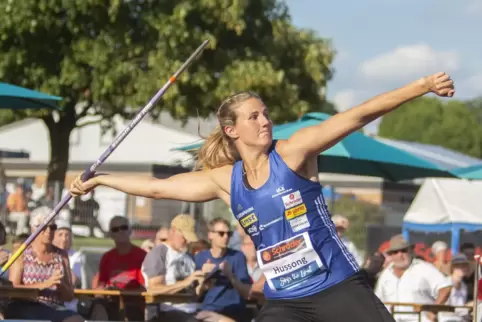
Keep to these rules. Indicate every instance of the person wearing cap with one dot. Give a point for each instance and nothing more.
(168, 269)
(439, 250)
(411, 280)
(342, 224)
(223, 297)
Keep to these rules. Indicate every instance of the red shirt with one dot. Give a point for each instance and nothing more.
(480, 290)
(122, 271)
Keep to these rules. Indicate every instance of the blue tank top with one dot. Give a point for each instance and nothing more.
(297, 246)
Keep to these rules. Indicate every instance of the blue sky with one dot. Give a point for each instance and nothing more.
(383, 44)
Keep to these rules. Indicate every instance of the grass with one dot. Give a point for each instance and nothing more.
(79, 242)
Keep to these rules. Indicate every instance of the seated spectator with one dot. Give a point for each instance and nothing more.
(120, 268)
(63, 240)
(439, 250)
(458, 295)
(222, 297)
(168, 269)
(161, 236)
(411, 280)
(468, 249)
(47, 268)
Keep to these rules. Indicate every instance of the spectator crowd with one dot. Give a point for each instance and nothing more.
(219, 276)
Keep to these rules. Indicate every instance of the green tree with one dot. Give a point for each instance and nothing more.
(360, 214)
(105, 56)
(428, 120)
(476, 106)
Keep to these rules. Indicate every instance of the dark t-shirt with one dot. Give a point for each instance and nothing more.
(223, 297)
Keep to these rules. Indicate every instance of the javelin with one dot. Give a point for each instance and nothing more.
(89, 173)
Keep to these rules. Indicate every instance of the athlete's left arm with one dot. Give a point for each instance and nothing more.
(313, 140)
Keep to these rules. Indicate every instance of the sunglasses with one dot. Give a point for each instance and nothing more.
(398, 251)
(222, 233)
(52, 227)
(162, 239)
(120, 228)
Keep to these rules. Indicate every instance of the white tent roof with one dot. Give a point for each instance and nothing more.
(446, 201)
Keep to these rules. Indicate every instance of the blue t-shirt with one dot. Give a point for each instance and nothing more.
(223, 296)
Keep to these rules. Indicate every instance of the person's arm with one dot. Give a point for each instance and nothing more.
(439, 284)
(158, 285)
(66, 289)
(198, 186)
(311, 141)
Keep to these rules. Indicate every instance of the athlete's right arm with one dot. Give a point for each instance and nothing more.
(195, 186)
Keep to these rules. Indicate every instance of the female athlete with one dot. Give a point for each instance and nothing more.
(273, 190)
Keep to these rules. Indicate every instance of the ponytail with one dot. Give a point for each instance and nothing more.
(217, 151)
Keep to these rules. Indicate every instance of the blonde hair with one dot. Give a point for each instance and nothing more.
(218, 150)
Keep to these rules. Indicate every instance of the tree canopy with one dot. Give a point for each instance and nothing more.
(107, 58)
(429, 120)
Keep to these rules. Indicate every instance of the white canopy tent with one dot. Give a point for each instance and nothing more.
(446, 205)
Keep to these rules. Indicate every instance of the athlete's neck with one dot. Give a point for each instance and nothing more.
(253, 158)
(217, 252)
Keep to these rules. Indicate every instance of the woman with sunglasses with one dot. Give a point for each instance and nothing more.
(273, 190)
(45, 267)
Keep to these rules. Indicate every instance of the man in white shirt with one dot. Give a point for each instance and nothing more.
(411, 280)
(168, 269)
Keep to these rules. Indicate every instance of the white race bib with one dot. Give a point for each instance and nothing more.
(289, 262)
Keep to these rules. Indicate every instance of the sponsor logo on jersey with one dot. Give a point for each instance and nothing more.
(248, 220)
(295, 212)
(293, 199)
(299, 223)
(244, 213)
(269, 223)
(280, 191)
(253, 230)
(283, 249)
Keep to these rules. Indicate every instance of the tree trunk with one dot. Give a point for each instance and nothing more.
(59, 133)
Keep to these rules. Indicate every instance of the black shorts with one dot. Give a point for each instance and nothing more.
(348, 301)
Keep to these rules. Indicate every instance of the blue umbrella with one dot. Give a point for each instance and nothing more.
(358, 154)
(15, 97)
(473, 172)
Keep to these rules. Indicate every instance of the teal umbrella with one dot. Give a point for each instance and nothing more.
(358, 154)
(15, 97)
(473, 172)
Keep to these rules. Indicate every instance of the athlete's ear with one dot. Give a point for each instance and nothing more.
(230, 131)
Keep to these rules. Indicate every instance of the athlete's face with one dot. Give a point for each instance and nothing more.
(253, 125)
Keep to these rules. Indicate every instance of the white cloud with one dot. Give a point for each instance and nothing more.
(408, 62)
(474, 8)
(473, 85)
(345, 100)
